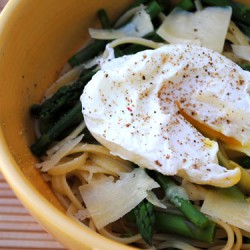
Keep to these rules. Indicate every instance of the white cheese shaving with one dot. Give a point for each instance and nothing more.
(63, 151)
(207, 27)
(152, 198)
(108, 200)
(242, 51)
(139, 26)
(227, 208)
(236, 36)
(128, 15)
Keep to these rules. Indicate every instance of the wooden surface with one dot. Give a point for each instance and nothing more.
(18, 229)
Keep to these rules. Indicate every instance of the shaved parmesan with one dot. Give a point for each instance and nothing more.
(139, 26)
(195, 192)
(228, 206)
(55, 158)
(128, 15)
(200, 28)
(152, 198)
(235, 35)
(108, 200)
(68, 138)
(242, 51)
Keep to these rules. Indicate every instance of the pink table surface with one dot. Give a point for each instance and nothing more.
(18, 229)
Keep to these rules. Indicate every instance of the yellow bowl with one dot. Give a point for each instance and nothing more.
(36, 38)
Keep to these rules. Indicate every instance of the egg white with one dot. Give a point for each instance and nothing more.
(147, 107)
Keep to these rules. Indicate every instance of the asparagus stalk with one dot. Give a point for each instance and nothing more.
(134, 48)
(153, 9)
(177, 224)
(186, 5)
(70, 119)
(240, 11)
(166, 222)
(104, 20)
(94, 48)
(118, 52)
(184, 205)
(145, 220)
(245, 66)
(244, 162)
(91, 51)
(64, 97)
(166, 5)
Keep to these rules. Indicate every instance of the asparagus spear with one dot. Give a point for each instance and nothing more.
(65, 96)
(153, 9)
(166, 5)
(118, 52)
(240, 11)
(104, 20)
(184, 205)
(134, 48)
(244, 162)
(91, 51)
(177, 224)
(186, 5)
(245, 66)
(94, 48)
(166, 222)
(72, 118)
(145, 220)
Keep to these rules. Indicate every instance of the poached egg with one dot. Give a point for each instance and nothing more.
(156, 108)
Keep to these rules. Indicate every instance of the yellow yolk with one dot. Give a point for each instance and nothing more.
(208, 131)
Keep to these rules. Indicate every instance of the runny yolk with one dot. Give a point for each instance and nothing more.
(208, 131)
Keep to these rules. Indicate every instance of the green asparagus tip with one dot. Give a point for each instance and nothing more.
(145, 220)
(72, 118)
